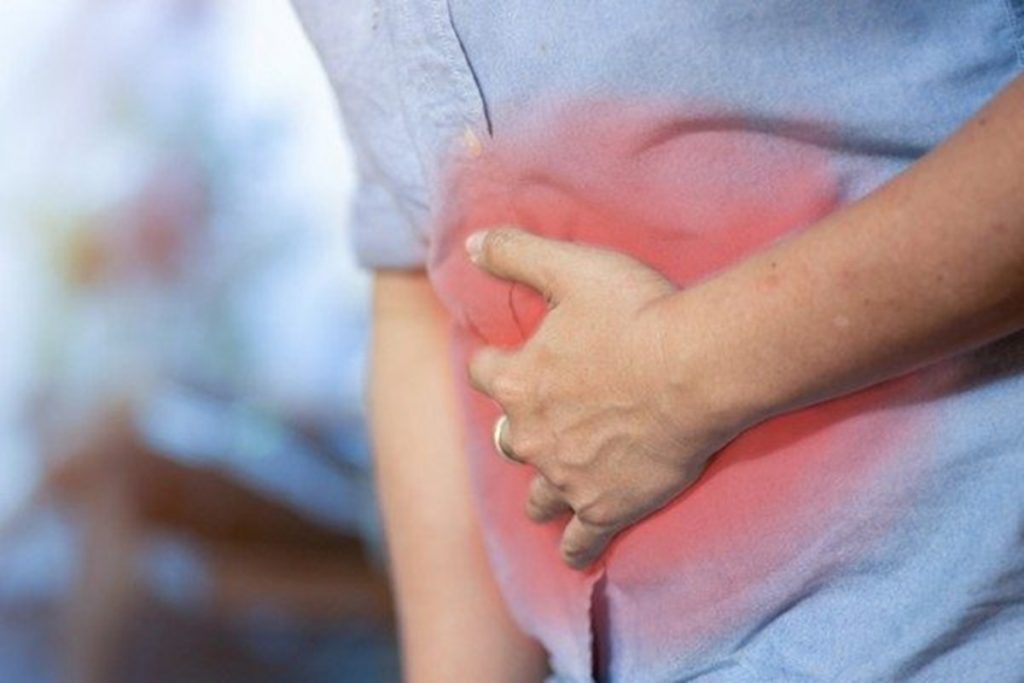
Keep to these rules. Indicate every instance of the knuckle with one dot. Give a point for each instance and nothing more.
(558, 479)
(539, 487)
(536, 510)
(576, 457)
(481, 365)
(599, 517)
(507, 388)
(525, 445)
(474, 371)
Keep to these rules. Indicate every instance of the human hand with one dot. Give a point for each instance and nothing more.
(615, 423)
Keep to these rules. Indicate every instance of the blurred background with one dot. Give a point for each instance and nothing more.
(184, 482)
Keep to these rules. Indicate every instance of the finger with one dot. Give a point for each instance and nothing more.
(486, 367)
(514, 254)
(583, 543)
(545, 502)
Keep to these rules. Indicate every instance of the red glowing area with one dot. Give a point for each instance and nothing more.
(689, 196)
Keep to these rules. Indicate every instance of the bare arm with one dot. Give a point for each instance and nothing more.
(929, 265)
(454, 626)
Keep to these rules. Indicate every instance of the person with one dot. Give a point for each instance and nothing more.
(739, 289)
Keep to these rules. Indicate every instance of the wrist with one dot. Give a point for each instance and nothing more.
(709, 370)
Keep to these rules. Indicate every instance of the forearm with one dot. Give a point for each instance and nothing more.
(453, 621)
(927, 266)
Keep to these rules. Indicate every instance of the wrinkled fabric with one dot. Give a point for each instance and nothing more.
(876, 537)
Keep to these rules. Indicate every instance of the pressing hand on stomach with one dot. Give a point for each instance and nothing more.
(592, 399)
(629, 386)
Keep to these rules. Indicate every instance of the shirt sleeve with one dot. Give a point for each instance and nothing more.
(389, 214)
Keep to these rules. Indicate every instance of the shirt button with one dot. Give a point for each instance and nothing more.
(471, 143)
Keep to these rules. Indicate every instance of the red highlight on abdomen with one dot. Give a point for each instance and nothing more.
(689, 196)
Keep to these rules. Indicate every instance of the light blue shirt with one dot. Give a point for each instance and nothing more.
(875, 84)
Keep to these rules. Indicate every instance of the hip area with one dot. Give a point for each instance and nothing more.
(792, 502)
(800, 534)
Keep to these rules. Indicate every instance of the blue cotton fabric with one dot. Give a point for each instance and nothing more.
(942, 598)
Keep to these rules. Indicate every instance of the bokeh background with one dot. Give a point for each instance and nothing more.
(184, 481)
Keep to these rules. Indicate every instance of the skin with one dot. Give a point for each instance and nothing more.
(629, 385)
(442, 583)
(929, 265)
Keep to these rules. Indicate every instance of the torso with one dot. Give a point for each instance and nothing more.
(688, 134)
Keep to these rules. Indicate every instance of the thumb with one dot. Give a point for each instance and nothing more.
(519, 256)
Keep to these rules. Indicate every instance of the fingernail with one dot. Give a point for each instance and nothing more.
(475, 245)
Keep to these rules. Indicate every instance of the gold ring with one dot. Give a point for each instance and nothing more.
(499, 429)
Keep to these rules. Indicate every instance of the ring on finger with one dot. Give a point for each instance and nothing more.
(499, 442)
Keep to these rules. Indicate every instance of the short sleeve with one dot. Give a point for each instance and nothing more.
(389, 211)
